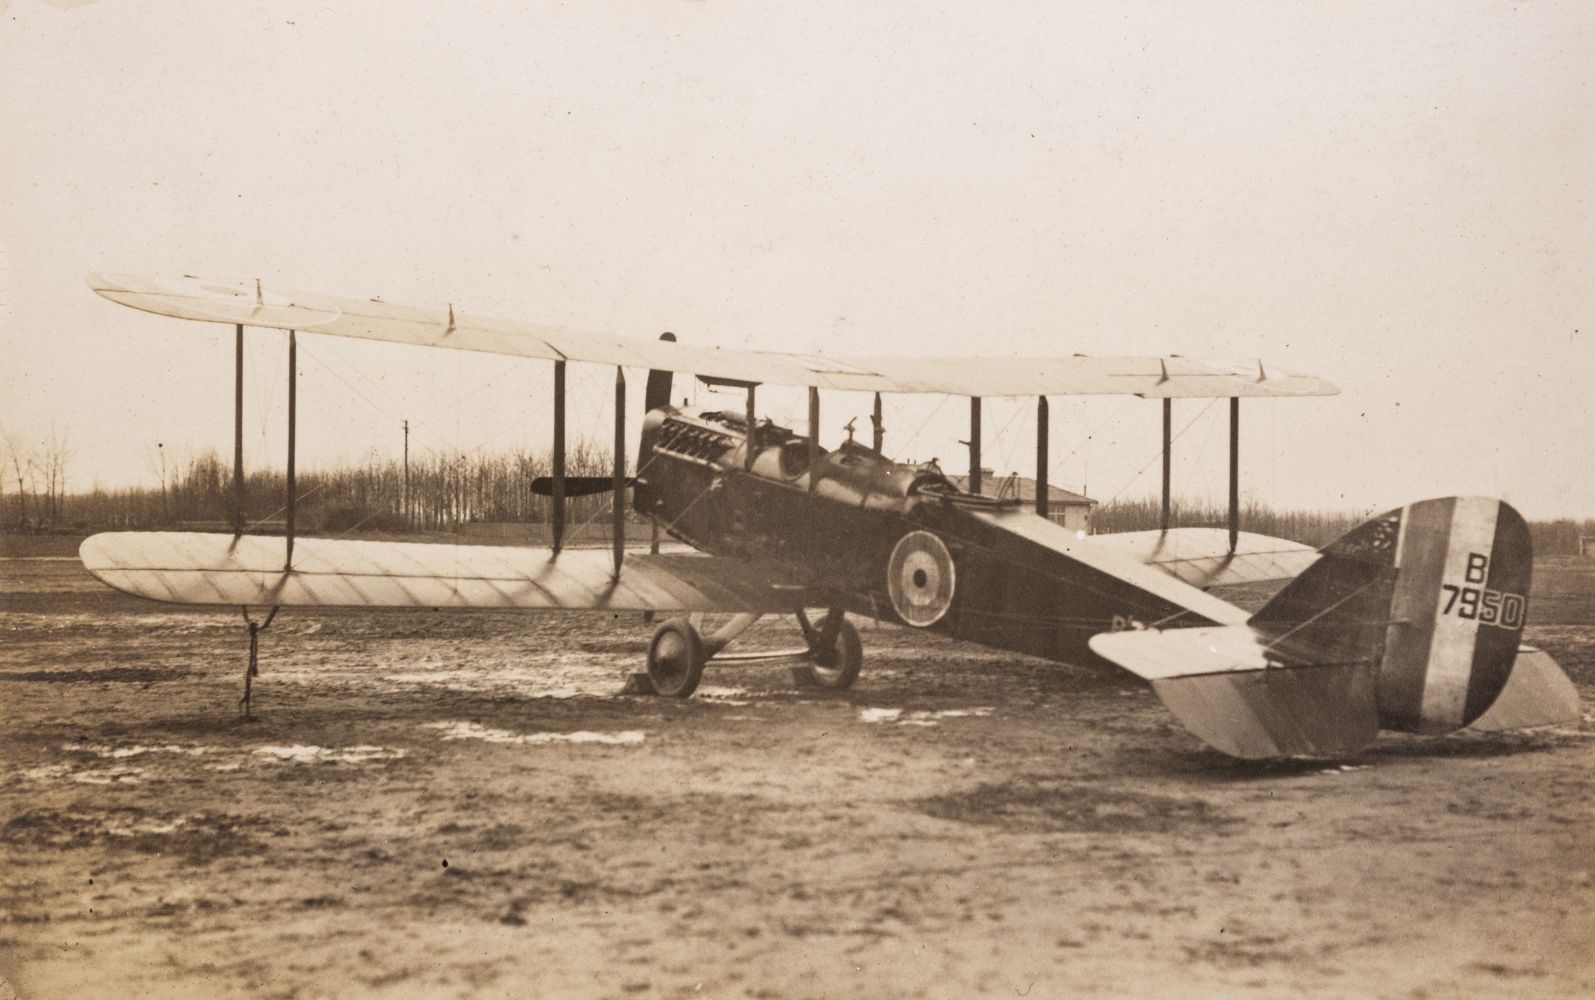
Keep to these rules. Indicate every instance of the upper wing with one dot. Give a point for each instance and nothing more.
(192, 568)
(1202, 556)
(446, 326)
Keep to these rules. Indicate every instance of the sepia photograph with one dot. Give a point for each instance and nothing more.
(699, 498)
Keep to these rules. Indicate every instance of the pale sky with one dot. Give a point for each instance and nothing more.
(1396, 197)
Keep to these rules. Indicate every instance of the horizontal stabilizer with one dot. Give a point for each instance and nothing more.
(1538, 693)
(1230, 688)
(195, 568)
(578, 486)
(1311, 711)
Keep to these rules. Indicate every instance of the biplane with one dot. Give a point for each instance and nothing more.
(1411, 622)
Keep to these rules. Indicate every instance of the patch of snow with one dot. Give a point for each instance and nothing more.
(121, 753)
(48, 772)
(302, 754)
(724, 695)
(879, 714)
(472, 731)
(571, 679)
(144, 826)
(110, 776)
(920, 717)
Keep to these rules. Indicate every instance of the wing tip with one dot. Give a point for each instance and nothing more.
(94, 551)
(100, 282)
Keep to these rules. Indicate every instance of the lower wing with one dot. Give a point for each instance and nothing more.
(195, 568)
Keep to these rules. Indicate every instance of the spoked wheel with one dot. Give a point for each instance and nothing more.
(676, 659)
(836, 663)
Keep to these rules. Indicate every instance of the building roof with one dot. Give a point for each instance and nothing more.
(1021, 487)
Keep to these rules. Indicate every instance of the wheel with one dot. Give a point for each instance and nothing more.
(676, 659)
(836, 669)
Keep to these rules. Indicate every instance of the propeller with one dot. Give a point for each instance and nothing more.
(655, 395)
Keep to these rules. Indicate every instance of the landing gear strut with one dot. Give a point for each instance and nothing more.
(678, 652)
(836, 652)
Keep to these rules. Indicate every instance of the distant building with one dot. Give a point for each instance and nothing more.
(1065, 508)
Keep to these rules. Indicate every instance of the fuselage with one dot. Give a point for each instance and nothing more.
(1017, 581)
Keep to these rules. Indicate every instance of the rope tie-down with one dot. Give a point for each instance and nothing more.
(255, 628)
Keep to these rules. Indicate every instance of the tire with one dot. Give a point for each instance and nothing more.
(837, 668)
(676, 659)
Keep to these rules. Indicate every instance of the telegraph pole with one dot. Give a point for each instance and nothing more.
(238, 434)
(407, 519)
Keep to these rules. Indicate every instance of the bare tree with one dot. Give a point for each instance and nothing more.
(24, 468)
(157, 460)
(57, 455)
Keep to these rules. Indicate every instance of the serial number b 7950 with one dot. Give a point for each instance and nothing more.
(1488, 607)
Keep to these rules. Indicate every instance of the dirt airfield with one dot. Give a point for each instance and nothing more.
(461, 805)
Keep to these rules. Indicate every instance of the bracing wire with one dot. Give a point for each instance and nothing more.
(923, 424)
(1142, 470)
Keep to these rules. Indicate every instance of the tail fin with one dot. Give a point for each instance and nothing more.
(1435, 594)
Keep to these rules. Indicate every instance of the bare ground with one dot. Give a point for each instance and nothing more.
(461, 805)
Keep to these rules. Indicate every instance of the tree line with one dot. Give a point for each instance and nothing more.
(437, 492)
(1311, 527)
(441, 491)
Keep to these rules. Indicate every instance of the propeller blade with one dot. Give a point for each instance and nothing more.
(658, 392)
(578, 486)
